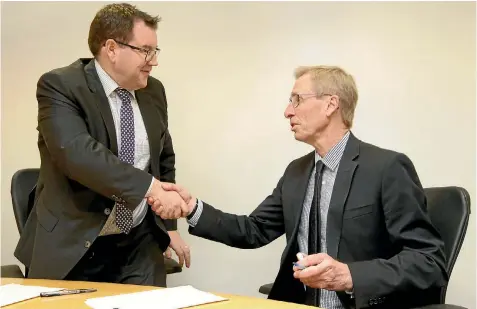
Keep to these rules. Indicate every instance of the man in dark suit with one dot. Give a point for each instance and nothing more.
(355, 214)
(105, 146)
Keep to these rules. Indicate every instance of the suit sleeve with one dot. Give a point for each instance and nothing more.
(419, 263)
(261, 227)
(167, 162)
(79, 156)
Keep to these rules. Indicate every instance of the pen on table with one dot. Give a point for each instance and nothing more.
(66, 292)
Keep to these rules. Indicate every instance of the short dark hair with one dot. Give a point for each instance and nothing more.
(116, 21)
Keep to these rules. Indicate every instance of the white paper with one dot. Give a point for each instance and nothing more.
(13, 293)
(169, 298)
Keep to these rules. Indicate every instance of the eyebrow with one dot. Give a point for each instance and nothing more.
(149, 47)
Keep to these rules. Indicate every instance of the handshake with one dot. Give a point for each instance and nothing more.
(170, 201)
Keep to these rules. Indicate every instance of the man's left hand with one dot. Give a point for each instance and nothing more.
(324, 272)
(180, 248)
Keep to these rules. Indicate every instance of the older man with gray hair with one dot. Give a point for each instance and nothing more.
(354, 215)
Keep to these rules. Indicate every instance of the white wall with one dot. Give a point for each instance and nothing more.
(227, 69)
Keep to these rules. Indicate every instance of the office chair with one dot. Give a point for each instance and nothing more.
(23, 182)
(449, 211)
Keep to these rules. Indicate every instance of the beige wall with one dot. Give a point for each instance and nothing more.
(227, 69)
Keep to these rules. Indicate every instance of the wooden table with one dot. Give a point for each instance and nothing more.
(106, 289)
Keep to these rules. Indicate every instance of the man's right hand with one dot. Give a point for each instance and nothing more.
(166, 204)
(189, 200)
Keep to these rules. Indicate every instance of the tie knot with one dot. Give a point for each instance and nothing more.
(124, 95)
(319, 166)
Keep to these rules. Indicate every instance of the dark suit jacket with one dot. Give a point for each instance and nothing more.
(81, 176)
(377, 223)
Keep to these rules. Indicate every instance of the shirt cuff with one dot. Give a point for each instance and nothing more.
(350, 293)
(197, 212)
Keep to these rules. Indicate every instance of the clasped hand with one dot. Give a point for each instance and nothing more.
(170, 201)
(321, 271)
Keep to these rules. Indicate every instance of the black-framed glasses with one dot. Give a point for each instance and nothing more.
(150, 53)
(298, 98)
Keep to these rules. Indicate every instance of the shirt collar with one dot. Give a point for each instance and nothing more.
(109, 85)
(333, 157)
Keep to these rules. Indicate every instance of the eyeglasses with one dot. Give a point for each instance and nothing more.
(298, 98)
(150, 54)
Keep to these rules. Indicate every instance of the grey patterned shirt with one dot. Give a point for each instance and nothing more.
(328, 299)
(331, 161)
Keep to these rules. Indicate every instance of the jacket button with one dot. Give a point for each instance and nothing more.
(87, 244)
(107, 211)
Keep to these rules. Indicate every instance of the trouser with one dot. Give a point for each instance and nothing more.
(134, 258)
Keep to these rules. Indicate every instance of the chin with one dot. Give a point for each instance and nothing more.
(142, 84)
(299, 137)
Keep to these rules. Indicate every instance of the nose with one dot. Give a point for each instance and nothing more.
(153, 61)
(289, 111)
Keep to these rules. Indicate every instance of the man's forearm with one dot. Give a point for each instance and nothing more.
(78, 154)
(102, 172)
(239, 231)
(406, 271)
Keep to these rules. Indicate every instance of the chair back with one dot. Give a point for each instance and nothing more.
(449, 211)
(23, 182)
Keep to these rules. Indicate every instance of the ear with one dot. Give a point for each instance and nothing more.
(111, 48)
(333, 105)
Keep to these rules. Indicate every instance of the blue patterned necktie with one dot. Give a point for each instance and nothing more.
(124, 215)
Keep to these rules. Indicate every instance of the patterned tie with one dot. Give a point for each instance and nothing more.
(124, 215)
(312, 298)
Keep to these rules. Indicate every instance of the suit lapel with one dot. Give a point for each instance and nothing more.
(302, 177)
(150, 117)
(102, 102)
(284, 289)
(339, 196)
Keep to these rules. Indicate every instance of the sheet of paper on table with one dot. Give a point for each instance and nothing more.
(170, 298)
(14, 293)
